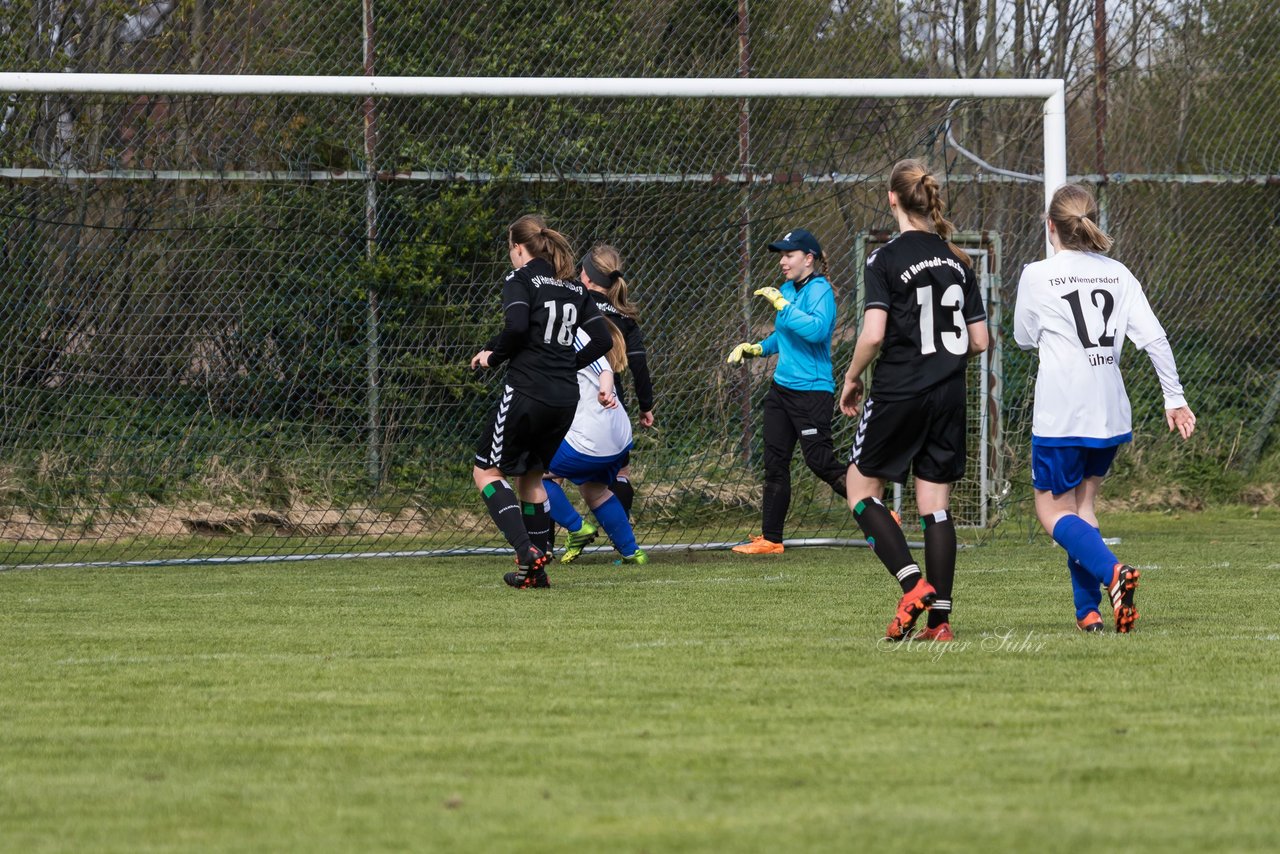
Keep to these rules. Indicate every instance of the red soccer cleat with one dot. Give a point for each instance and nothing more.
(938, 634)
(910, 607)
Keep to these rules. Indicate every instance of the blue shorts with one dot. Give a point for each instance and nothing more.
(1060, 469)
(580, 468)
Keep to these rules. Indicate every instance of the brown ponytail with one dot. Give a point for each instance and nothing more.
(531, 232)
(608, 264)
(920, 197)
(1074, 214)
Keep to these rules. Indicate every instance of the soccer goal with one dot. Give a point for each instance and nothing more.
(239, 309)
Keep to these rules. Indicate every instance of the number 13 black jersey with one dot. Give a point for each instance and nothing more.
(931, 297)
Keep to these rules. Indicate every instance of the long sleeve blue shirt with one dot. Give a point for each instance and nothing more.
(802, 336)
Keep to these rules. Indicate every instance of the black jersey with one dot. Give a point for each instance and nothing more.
(931, 297)
(542, 316)
(637, 359)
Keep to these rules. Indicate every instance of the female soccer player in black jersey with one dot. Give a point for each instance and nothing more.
(542, 310)
(924, 318)
(601, 273)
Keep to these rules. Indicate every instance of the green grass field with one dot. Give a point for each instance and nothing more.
(707, 702)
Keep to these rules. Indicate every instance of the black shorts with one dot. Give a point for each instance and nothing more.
(522, 434)
(924, 434)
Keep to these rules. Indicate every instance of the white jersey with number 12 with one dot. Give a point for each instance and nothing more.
(1077, 308)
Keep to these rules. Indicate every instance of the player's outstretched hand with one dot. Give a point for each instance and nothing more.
(744, 349)
(774, 296)
(481, 359)
(851, 396)
(1182, 420)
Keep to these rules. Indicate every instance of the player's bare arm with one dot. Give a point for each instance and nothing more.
(864, 353)
(979, 337)
(607, 397)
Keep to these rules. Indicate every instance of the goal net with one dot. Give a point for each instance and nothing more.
(239, 310)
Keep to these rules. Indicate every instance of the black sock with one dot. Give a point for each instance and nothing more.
(537, 521)
(940, 562)
(887, 541)
(621, 487)
(504, 508)
(776, 500)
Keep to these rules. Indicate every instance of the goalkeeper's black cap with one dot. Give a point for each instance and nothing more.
(797, 238)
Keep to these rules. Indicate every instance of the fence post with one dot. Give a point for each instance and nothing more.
(373, 460)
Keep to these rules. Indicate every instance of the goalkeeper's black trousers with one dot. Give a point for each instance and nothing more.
(792, 416)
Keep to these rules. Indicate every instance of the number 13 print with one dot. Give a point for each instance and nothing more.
(954, 336)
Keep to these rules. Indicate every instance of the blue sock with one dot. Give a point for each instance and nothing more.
(1084, 544)
(562, 511)
(1084, 589)
(612, 516)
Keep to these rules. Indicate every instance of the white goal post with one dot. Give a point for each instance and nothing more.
(1052, 92)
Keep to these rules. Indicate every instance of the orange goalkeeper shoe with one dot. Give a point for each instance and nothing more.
(759, 546)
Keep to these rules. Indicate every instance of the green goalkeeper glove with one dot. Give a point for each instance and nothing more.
(745, 349)
(774, 296)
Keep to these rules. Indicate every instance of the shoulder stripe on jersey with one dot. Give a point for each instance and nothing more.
(516, 303)
(883, 305)
(580, 340)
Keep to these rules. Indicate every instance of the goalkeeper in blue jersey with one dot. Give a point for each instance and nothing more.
(801, 399)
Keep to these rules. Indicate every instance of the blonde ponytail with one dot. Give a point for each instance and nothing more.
(603, 265)
(617, 354)
(1074, 214)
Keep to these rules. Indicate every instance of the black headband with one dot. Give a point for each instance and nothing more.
(593, 272)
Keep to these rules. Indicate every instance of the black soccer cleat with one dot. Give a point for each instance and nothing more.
(530, 572)
(1124, 582)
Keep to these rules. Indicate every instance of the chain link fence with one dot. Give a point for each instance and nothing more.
(239, 327)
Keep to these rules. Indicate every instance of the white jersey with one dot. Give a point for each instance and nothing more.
(596, 431)
(1077, 308)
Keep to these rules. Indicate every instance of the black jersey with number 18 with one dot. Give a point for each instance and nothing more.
(542, 315)
(931, 297)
